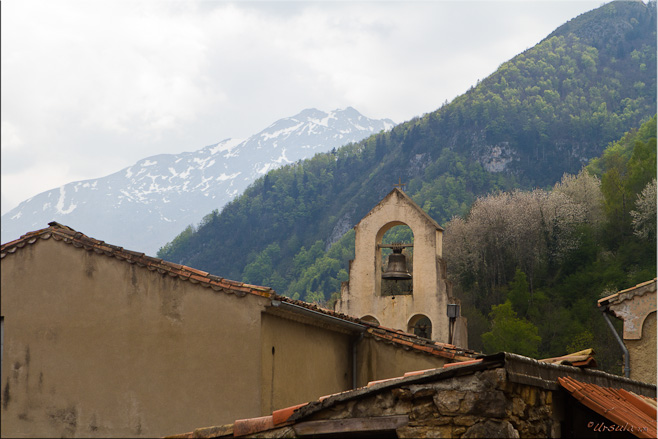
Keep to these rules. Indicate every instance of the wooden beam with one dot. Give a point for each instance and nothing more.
(350, 425)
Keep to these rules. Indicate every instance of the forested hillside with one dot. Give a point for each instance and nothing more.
(529, 266)
(545, 112)
(493, 159)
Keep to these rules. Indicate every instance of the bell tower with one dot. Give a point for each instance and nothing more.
(423, 306)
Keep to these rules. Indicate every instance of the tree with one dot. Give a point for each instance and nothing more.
(510, 333)
(518, 293)
(644, 215)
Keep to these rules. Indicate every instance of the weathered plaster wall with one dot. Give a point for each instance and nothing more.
(633, 309)
(301, 362)
(643, 352)
(378, 360)
(96, 347)
(362, 295)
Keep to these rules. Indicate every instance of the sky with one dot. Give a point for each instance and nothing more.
(91, 87)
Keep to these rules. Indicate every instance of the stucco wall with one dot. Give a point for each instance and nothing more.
(301, 362)
(96, 347)
(643, 352)
(378, 360)
(362, 296)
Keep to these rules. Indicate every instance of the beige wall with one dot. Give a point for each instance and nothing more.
(361, 296)
(378, 360)
(96, 347)
(643, 352)
(301, 362)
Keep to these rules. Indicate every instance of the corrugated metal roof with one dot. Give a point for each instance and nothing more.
(630, 412)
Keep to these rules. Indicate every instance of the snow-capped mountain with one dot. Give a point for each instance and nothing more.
(146, 205)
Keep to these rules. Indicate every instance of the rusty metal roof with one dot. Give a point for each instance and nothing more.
(629, 411)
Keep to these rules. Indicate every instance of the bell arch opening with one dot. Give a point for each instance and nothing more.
(421, 325)
(389, 260)
(370, 319)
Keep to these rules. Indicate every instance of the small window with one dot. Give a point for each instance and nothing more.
(421, 326)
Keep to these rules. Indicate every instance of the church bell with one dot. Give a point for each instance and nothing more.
(397, 266)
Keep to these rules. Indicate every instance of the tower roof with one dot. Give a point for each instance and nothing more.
(402, 197)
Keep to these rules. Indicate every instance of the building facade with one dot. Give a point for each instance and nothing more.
(425, 301)
(99, 341)
(636, 307)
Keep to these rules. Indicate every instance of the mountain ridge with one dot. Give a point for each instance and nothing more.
(147, 204)
(544, 112)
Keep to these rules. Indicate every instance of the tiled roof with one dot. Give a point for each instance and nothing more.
(412, 341)
(578, 359)
(629, 293)
(67, 235)
(283, 417)
(629, 411)
(545, 374)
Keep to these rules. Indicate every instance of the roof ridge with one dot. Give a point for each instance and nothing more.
(60, 232)
(68, 235)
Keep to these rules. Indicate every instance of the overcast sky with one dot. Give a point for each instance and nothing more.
(90, 87)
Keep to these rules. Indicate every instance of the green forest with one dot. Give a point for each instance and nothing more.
(559, 142)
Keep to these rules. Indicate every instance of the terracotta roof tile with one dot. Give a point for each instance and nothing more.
(462, 363)
(394, 336)
(243, 427)
(282, 415)
(67, 235)
(438, 349)
(582, 359)
(626, 409)
(641, 288)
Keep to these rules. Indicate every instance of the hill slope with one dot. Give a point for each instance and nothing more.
(149, 203)
(545, 112)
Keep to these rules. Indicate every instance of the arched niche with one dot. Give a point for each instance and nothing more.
(393, 232)
(421, 325)
(370, 319)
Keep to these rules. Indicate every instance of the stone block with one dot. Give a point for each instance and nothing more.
(466, 421)
(518, 407)
(422, 392)
(383, 404)
(423, 411)
(493, 379)
(448, 401)
(491, 429)
(529, 395)
(402, 394)
(425, 431)
(490, 404)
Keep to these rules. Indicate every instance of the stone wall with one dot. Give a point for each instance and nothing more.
(483, 404)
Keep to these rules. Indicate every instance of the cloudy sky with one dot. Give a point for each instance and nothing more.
(90, 87)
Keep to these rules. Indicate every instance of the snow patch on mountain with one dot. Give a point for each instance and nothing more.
(144, 206)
